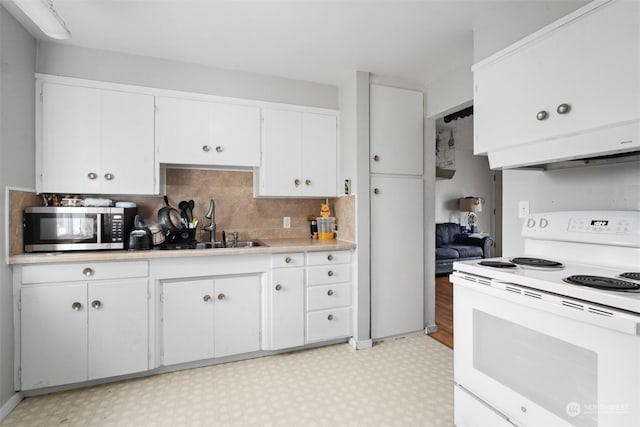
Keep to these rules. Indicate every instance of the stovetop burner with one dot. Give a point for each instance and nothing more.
(497, 264)
(601, 282)
(631, 275)
(537, 262)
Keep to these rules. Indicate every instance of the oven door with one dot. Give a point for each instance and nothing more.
(541, 359)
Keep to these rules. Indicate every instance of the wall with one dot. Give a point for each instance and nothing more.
(472, 178)
(610, 187)
(354, 165)
(17, 147)
(71, 61)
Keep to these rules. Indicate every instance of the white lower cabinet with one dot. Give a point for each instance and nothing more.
(328, 295)
(73, 332)
(284, 307)
(210, 317)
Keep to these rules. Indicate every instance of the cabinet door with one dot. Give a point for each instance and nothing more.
(127, 151)
(69, 140)
(184, 131)
(237, 315)
(187, 320)
(54, 335)
(591, 63)
(397, 261)
(396, 127)
(207, 133)
(285, 309)
(319, 155)
(281, 168)
(235, 135)
(118, 328)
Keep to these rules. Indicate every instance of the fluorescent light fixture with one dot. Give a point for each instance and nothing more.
(44, 15)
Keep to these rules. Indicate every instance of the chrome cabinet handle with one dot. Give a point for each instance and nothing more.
(287, 260)
(376, 158)
(307, 182)
(376, 191)
(221, 297)
(330, 257)
(206, 148)
(330, 273)
(541, 115)
(92, 175)
(329, 292)
(219, 149)
(330, 317)
(206, 298)
(96, 304)
(76, 306)
(87, 272)
(278, 287)
(563, 108)
(108, 176)
(296, 183)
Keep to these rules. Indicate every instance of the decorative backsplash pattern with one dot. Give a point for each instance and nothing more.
(236, 208)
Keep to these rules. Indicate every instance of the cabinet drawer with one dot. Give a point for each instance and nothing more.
(328, 324)
(328, 296)
(328, 257)
(329, 274)
(83, 271)
(287, 260)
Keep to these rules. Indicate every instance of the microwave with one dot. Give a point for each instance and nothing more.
(56, 228)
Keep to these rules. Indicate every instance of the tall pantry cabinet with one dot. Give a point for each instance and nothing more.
(397, 211)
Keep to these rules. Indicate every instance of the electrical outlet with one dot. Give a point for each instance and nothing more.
(286, 222)
(523, 208)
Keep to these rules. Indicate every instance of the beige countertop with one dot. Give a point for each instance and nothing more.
(274, 246)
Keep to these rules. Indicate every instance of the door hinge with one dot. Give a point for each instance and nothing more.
(156, 108)
(161, 296)
(20, 304)
(41, 96)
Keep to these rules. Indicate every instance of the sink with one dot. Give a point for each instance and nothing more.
(245, 244)
(208, 245)
(238, 244)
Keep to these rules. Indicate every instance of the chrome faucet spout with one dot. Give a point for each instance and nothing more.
(211, 214)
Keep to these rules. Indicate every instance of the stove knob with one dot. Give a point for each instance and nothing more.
(543, 223)
(531, 222)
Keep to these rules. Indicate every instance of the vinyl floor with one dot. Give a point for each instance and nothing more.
(403, 382)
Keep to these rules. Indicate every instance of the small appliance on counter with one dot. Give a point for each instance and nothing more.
(140, 237)
(58, 228)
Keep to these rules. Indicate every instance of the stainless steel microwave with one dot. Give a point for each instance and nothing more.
(76, 228)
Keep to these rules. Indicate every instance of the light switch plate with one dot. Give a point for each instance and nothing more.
(523, 208)
(286, 222)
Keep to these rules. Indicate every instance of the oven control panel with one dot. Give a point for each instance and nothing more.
(600, 225)
(619, 228)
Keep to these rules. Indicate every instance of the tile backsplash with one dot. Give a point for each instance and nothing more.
(236, 208)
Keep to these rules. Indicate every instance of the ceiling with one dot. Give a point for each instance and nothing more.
(321, 41)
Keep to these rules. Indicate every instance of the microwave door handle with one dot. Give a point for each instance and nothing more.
(99, 219)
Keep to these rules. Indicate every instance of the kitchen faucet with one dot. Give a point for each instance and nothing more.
(211, 214)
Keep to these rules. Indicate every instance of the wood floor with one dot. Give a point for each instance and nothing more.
(444, 311)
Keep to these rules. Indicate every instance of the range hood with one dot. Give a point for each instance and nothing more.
(608, 144)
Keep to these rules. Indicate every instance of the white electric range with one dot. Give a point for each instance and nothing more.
(552, 337)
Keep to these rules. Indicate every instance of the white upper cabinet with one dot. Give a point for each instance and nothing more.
(396, 131)
(579, 74)
(94, 141)
(299, 154)
(207, 133)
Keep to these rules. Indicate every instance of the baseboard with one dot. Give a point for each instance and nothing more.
(430, 329)
(360, 344)
(10, 405)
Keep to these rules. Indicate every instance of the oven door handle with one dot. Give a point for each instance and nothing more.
(578, 310)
